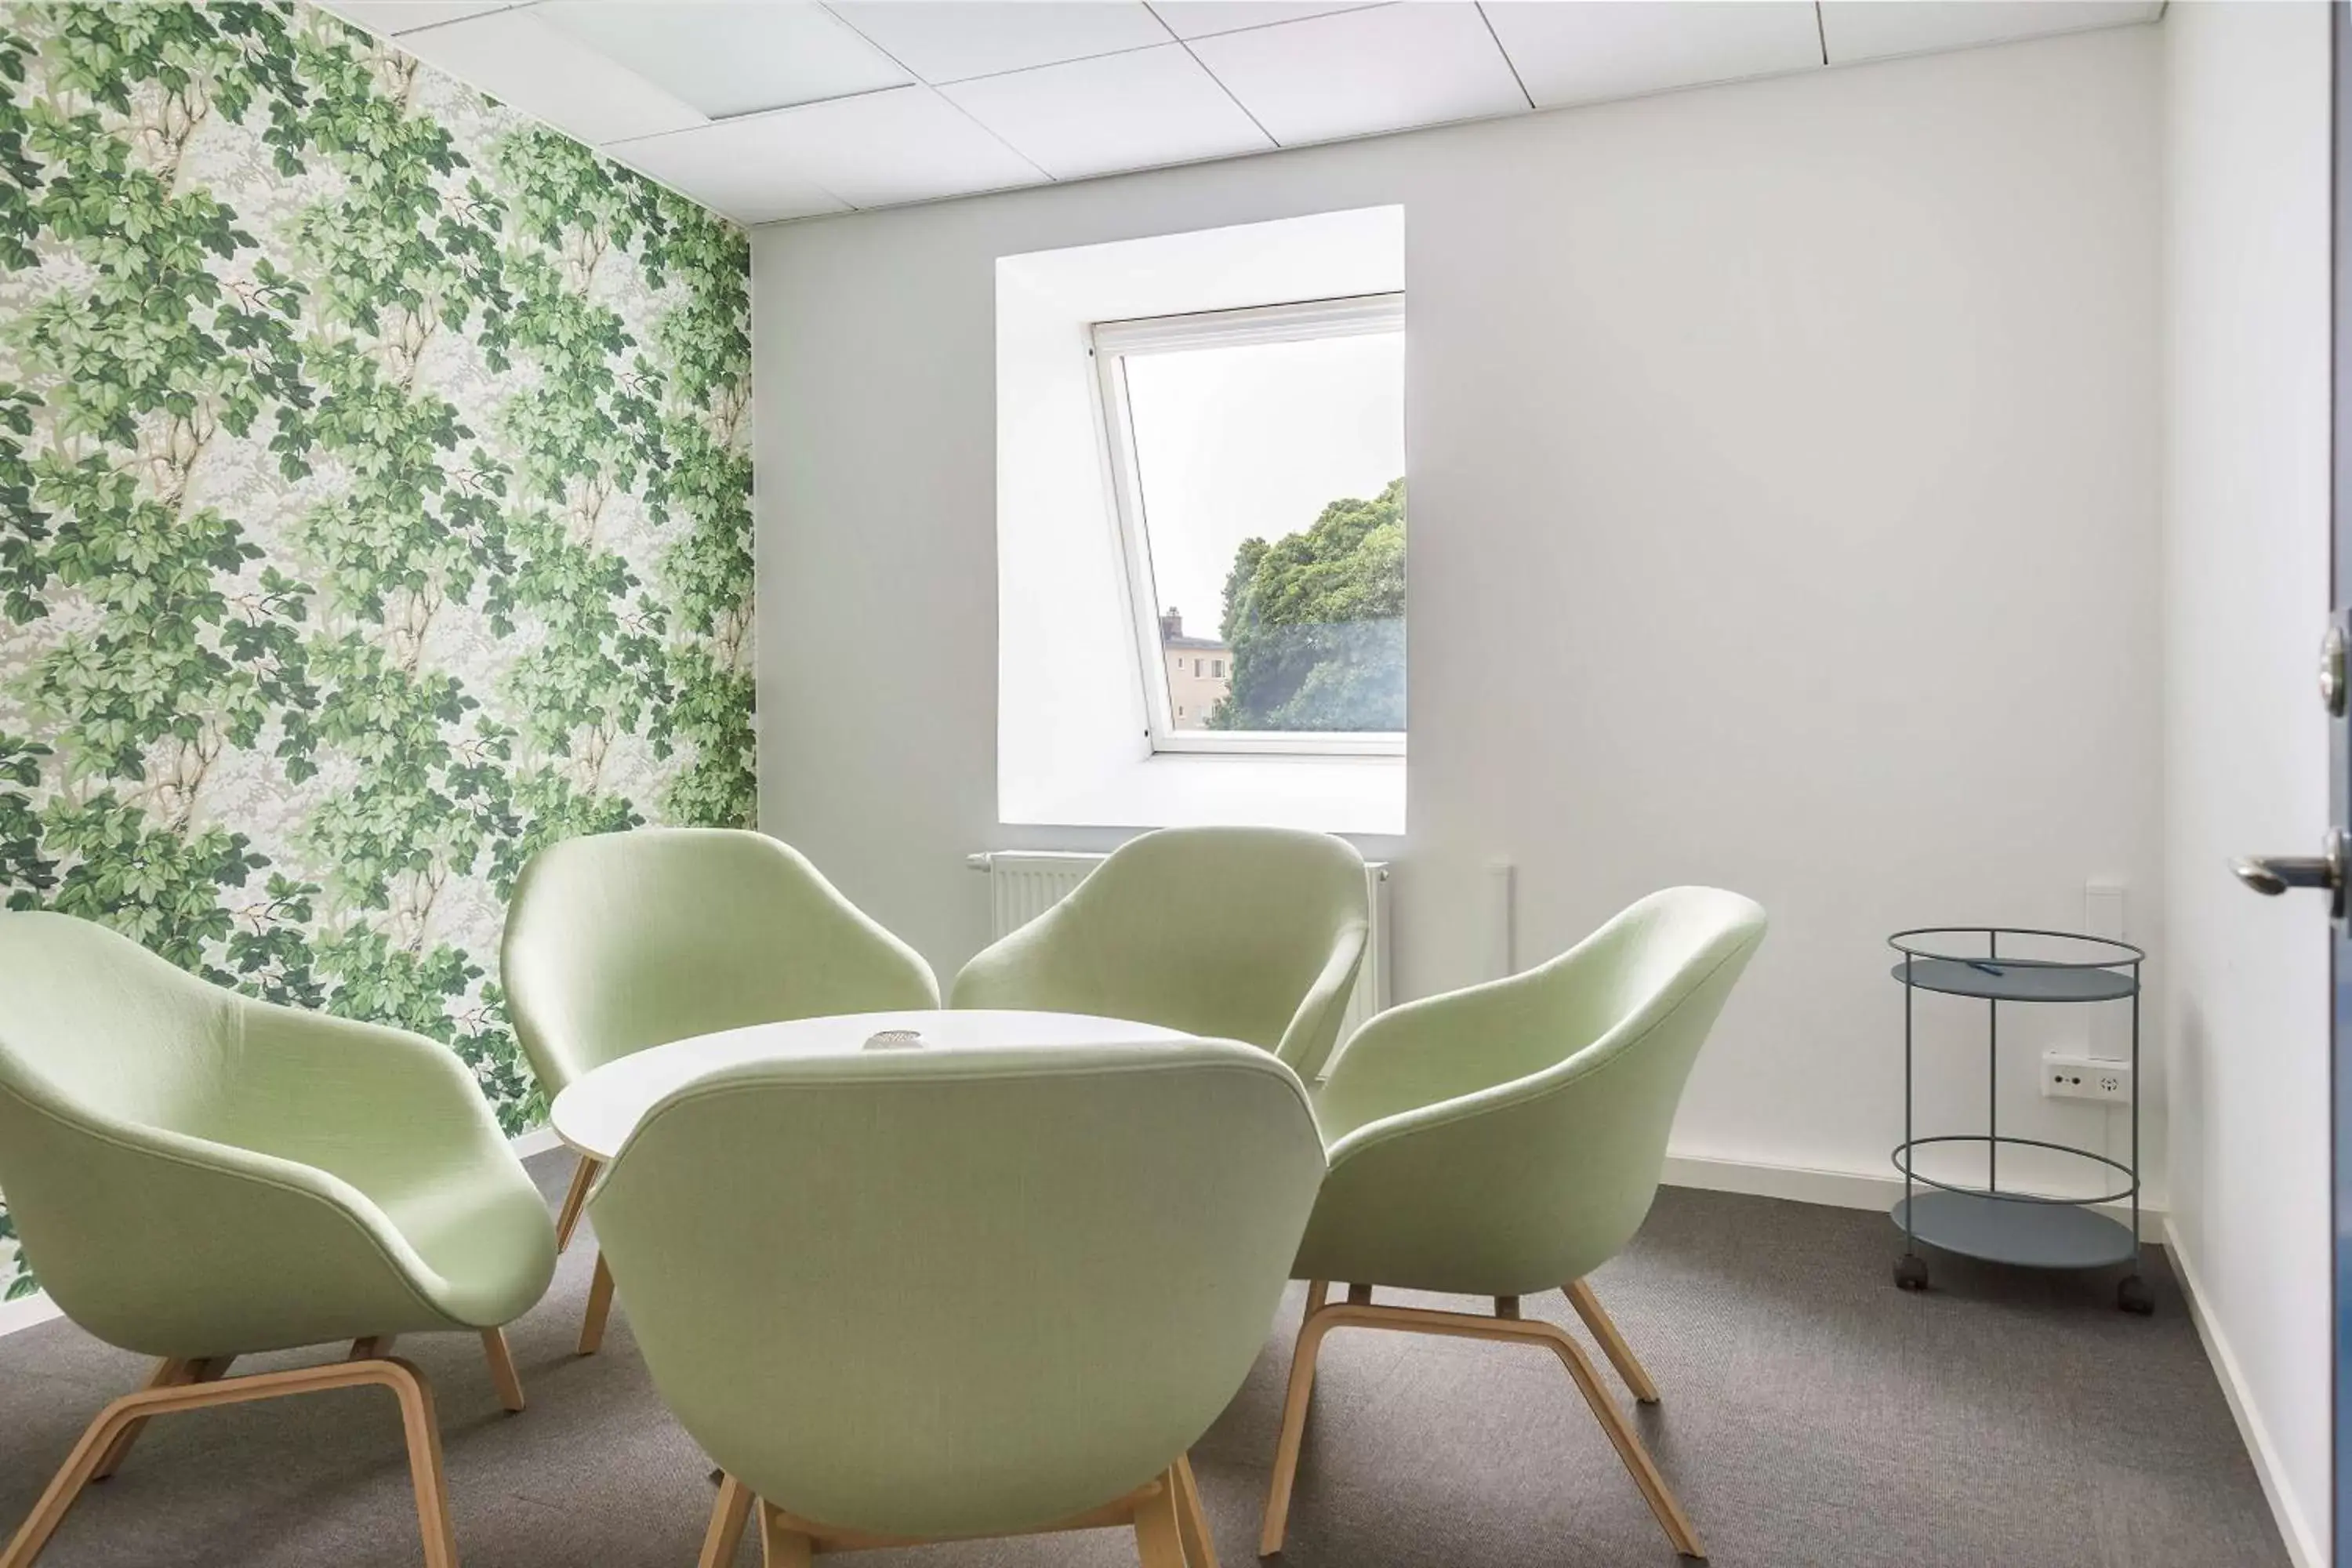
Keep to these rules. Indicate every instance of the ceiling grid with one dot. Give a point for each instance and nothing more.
(773, 109)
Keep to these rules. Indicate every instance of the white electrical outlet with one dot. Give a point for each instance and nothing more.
(2068, 1076)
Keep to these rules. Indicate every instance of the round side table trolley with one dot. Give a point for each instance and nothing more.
(2007, 1225)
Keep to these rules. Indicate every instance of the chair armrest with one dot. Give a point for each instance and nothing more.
(1421, 1054)
(1021, 968)
(1314, 1029)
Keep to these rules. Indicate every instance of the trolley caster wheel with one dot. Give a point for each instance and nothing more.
(1911, 1272)
(2132, 1295)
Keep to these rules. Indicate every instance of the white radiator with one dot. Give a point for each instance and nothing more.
(1025, 884)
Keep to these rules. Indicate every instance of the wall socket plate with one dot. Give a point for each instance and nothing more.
(2070, 1074)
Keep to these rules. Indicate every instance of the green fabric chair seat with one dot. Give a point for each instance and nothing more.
(615, 941)
(1507, 1140)
(1241, 933)
(618, 941)
(196, 1174)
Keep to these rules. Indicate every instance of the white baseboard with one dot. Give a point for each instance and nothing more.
(2301, 1541)
(1836, 1189)
(26, 1312)
(29, 1312)
(538, 1140)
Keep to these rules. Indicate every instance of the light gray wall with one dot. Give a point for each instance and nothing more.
(1784, 516)
(2246, 553)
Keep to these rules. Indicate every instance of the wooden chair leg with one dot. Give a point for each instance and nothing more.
(423, 1429)
(1154, 1512)
(600, 1306)
(1612, 1343)
(405, 1382)
(1192, 1518)
(567, 1219)
(781, 1546)
(1159, 1538)
(65, 1486)
(1629, 1445)
(167, 1374)
(1311, 1330)
(1459, 1325)
(503, 1376)
(728, 1516)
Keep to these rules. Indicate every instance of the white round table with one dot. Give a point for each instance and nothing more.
(596, 1115)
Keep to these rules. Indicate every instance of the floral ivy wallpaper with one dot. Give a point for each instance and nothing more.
(374, 508)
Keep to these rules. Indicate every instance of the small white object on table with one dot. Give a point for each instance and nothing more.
(596, 1115)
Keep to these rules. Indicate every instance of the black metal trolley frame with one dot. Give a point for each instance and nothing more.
(2029, 1230)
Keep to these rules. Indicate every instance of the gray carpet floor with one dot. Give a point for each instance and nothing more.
(1813, 1414)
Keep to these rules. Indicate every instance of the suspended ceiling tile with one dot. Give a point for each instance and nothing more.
(1356, 73)
(955, 40)
(517, 56)
(727, 58)
(1133, 110)
(1871, 29)
(878, 149)
(393, 17)
(1200, 18)
(1586, 53)
(713, 166)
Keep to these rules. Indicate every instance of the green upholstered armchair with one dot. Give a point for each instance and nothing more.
(616, 941)
(1241, 933)
(199, 1176)
(928, 1294)
(1508, 1138)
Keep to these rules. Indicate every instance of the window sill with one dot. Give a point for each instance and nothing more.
(1325, 794)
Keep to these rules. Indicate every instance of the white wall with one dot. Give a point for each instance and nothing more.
(1784, 516)
(2246, 559)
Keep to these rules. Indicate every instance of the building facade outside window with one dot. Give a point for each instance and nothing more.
(1195, 695)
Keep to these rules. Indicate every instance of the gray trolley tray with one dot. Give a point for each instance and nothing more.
(2026, 1230)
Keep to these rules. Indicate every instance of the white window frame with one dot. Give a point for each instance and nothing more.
(1112, 343)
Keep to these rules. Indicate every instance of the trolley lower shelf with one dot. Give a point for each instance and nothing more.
(2005, 1230)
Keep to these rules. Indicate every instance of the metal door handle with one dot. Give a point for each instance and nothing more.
(2332, 684)
(2274, 874)
(2277, 873)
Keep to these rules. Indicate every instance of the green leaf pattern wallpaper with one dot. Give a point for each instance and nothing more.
(375, 508)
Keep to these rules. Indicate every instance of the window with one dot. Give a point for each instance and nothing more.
(1086, 686)
(1257, 462)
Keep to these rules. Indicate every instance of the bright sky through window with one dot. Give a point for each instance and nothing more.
(1254, 440)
